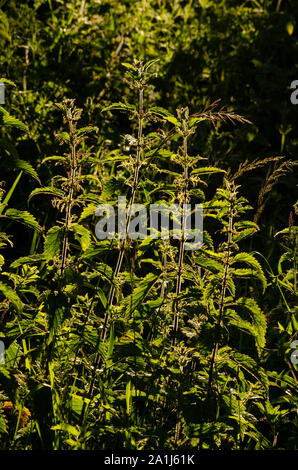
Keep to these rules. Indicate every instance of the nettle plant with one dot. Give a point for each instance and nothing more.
(285, 282)
(218, 315)
(10, 158)
(140, 343)
(211, 275)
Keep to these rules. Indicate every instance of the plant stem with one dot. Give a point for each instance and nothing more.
(182, 241)
(222, 293)
(70, 192)
(131, 202)
(123, 244)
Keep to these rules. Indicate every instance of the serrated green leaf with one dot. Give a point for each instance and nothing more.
(120, 106)
(16, 161)
(159, 111)
(194, 121)
(64, 136)
(27, 168)
(284, 231)
(67, 428)
(86, 130)
(82, 234)
(55, 158)
(23, 217)
(247, 273)
(243, 234)
(46, 190)
(7, 120)
(12, 296)
(9, 82)
(88, 211)
(57, 309)
(32, 259)
(259, 321)
(206, 170)
(53, 242)
(140, 292)
(249, 259)
(241, 324)
(209, 263)
(128, 66)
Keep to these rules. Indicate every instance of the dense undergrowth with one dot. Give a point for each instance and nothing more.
(143, 344)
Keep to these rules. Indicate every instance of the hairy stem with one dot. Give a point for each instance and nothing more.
(182, 241)
(123, 244)
(222, 294)
(70, 192)
(131, 202)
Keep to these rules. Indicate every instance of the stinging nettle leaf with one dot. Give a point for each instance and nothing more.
(259, 321)
(195, 121)
(12, 296)
(27, 168)
(249, 259)
(55, 158)
(86, 130)
(140, 292)
(23, 217)
(7, 120)
(82, 234)
(128, 66)
(120, 106)
(9, 82)
(16, 162)
(31, 259)
(88, 211)
(53, 242)
(64, 136)
(206, 170)
(248, 273)
(46, 190)
(159, 111)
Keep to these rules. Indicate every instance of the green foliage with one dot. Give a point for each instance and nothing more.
(142, 344)
(7, 120)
